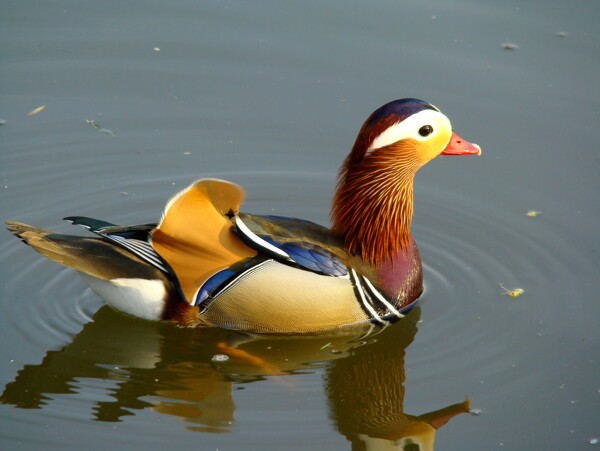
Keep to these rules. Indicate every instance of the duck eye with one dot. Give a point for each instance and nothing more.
(425, 130)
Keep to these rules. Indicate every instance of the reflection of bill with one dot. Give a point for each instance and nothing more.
(172, 371)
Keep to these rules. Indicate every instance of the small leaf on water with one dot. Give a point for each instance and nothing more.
(514, 293)
(36, 110)
(93, 123)
(533, 213)
(108, 132)
(98, 127)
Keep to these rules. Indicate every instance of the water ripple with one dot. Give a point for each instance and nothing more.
(468, 249)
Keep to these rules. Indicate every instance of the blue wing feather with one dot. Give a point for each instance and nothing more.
(315, 259)
(305, 243)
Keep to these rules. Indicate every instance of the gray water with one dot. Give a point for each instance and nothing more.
(271, 96)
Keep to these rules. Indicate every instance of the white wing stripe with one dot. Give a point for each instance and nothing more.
(258, 240)
(140, 248)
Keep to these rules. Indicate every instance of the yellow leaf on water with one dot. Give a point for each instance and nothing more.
(514, 293)
(533, 213)
(36, 111)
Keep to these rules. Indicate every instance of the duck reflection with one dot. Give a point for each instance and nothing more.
(191, 373)
(366, 394)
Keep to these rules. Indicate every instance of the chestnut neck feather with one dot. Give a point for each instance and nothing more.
(373, 205)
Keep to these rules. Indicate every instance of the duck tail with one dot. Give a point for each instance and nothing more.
(40, 240)
(89, 255)
(105, 261)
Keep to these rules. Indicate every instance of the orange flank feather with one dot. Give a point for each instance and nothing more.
(194, 236)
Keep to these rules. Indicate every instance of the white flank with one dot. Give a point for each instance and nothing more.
(409, 129)
(143, 298)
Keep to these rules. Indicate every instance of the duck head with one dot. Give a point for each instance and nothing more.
(373, 205)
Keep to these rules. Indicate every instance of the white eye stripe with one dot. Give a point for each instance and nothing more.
(409, 128)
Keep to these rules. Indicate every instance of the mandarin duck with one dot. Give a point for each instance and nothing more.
(207, 264)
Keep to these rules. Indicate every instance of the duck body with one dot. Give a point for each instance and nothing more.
(306, 283)
(208, 264)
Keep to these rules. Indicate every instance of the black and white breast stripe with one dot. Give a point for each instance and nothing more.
(375, 305)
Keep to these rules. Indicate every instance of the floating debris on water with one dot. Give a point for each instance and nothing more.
(514, 293)
(510, 46)
(98, 127)
(533, 213)
(36, 110)
(594, 441)
(562, 34)
(475, 412)
(220, 358)
(156, 49)
(2, 122)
